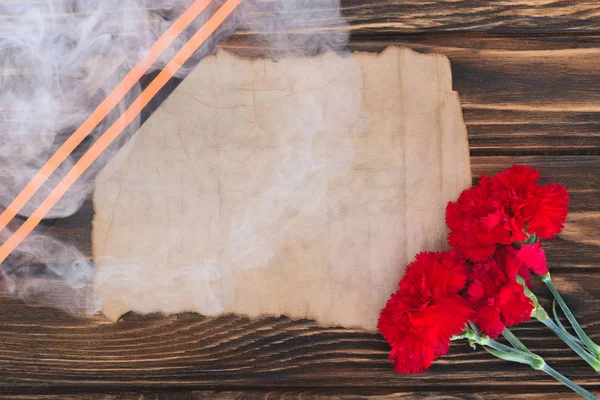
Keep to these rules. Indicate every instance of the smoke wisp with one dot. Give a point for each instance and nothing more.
(60, 59)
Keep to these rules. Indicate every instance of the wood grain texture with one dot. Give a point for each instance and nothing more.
(526, 71)
(46, 350)
(307, 394)
(391, 17)
(524, 95)
(518, 16)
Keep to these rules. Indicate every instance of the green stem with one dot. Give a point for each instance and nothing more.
(541, 315)
(568, 339)
(505, 352)
(561, 326)
(594, 348)
(524, 357)
(567, 382)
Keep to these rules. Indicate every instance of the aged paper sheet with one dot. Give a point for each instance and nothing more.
(300, 188)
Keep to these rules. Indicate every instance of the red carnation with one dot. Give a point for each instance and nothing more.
(419, 319)
(501, 209)
(543, 208)
(498, 299)
(482, 218)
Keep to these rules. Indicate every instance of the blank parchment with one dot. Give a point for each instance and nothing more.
(300, 188)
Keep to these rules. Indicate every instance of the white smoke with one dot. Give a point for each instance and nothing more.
(60, 58)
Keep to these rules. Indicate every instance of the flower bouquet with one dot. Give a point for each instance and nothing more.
(483, 286)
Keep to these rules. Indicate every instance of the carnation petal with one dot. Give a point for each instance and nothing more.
(487, 319)
(518, 309)
(547, 210)
(534, 258)
(519, 177)
(476, 291)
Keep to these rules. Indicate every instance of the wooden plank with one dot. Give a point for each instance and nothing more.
(525, 95)
(376, 17)
(528, 94)
(45, 349)
(526, 393)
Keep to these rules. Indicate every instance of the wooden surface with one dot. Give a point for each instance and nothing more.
(527, 73)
